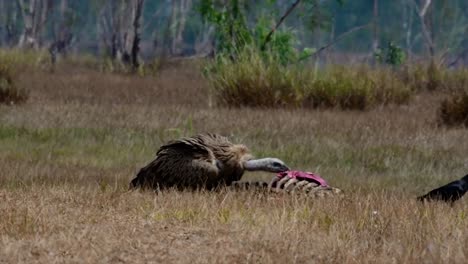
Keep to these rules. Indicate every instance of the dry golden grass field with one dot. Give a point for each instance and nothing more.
(68, 154)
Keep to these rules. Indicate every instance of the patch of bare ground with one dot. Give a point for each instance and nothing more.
(67, 155)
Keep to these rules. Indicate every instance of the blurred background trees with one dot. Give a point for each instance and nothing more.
(132, 30)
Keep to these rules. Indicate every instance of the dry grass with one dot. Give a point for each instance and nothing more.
(9, 92)
(453, 111)
(255, 81)
(67, 155)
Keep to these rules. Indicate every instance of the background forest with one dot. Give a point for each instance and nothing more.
(421, 28)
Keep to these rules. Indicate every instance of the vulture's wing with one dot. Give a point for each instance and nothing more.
(184, 163)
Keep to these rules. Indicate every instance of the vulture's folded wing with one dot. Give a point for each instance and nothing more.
(184, 163)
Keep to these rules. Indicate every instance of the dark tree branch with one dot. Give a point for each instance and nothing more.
(462, 54)
(288, 12)
(342, 35)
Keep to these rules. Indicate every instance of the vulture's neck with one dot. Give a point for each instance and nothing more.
(256, 164)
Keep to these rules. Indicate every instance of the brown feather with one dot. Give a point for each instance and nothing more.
(202, 161)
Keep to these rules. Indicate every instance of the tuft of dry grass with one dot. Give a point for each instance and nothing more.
(9, 92)
(358, 87)
(255, 81)
(24, 58)
(68, 154)
(432, 77)
(454, 110)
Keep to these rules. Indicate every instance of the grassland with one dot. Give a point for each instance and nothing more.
(68, 153)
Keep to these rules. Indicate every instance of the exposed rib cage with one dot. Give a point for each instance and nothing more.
(288, 185)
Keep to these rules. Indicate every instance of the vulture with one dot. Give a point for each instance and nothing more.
(204, 161)
(450, 192)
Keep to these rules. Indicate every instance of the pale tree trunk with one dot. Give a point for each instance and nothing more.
(102, 32)
(185, 6)
(173, 25)
(408, 26)
(119, 24)
(63, 31)
(460, 58)
(180, 9)
(63, 35)
(107, 29)
(432, 70)
(375, 41)
(130, 23)
(428, 37)
(3, 22)
(28, 10)
(34, 13)
(155, 20)
(45, 6)
(204, 44)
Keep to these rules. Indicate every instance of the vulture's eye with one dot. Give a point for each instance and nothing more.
(276, 164)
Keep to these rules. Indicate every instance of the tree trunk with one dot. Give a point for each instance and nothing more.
(424, 28)
(408, 26)
(34, 15)
(28, 11)
(120, 25)
(185, 6)
(204, 43)
(63, 35)
(64, 31)
(179, 11)
(375, 41)
(3, 22)
(173, 26)
(138, 8)
(45, 6)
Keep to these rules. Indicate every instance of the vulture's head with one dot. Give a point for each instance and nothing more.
(266, 164)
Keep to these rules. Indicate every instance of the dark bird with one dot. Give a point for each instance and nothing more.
(449, 193)
(203, 161)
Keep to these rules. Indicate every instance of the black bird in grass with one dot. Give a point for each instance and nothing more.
(449, 192)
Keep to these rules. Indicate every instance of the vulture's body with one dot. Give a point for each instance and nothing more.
(203, 161)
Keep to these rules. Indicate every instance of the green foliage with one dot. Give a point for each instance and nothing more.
(230, 24)
(395, 55)
(454, 110)
(234, 33)
(392, 55)
(281, 45)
